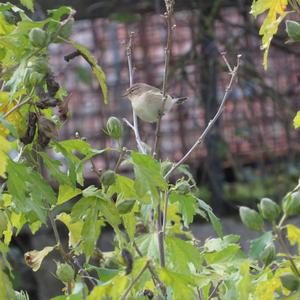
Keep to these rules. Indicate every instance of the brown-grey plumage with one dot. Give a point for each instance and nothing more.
(147, 101)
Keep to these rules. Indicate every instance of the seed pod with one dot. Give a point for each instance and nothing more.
(291, 204)
(183, 187)
(127, 256)
(290, 281)
(148, 293)
(38, 37)
(268, 254)
(114, 128)
(31, 127)
(125, 206)
(65, 272)
(251, 218)
(52, 85)
(269, 209)
(63, 109)
(108, 178)
(47, 127)
(47, 102)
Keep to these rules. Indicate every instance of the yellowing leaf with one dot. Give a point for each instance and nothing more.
(5, 146)
(265, 290)
(297, 120)
(293, 235)
(66, 193)
(74, 228)
(275, 14)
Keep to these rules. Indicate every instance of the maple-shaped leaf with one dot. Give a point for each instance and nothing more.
(276, 11)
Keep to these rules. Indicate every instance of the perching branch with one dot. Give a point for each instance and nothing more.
(134, 281)
(135, 126)
(233, 72)
(168, 16)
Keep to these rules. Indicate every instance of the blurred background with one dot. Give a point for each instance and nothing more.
(253, 150)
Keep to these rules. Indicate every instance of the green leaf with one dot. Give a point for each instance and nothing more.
(97, 70)
(28, 4)
(129, 222)
(53, 167)
(109, 211)
(148, 174)
(297, 120)
(258, 245)
(187, 206)
(293, 30)
(103, 273)
(244, 287)
(66, 193)
(182, 285)
(148, 245)
(230, 254)
(90, 232)
(180, 254)
(215, 221)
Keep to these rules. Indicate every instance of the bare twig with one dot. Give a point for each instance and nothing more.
(72, 55)
(135, 126)
(199, 141)
(85, 274)
(134, 281)
(165, 212)
(121, 156)
(168, 15)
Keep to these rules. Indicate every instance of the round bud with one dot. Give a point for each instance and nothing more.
(291, 204)
(114, 128)
(251, 218)
(38, 37)
(125, 206)
(65, 272)
(290, 281)
(183, 187)
(108, 178)
(269, 209)
(268, 254)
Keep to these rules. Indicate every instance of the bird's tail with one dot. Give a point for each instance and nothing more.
(180, 100)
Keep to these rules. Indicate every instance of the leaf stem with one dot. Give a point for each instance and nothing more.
(134, 281)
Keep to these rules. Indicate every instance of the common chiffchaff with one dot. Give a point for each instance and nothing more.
(147, 101)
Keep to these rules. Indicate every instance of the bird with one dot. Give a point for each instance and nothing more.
(147, 101)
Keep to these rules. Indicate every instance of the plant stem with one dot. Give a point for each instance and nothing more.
(168, 16)
(233, 73)
(121, 156)
(151, 268)
(134, 281)
(16, 107)
(166, 201)
(160, 237)
(286, 251)
(130, 73)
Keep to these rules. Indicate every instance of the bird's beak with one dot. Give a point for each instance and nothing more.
(126, 94)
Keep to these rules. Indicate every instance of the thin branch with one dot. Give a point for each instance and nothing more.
(155, 278)
(160, 237)
(134, 281)
(135, 126)
(16, 107)
(212, 121)
(121, 156)
(168, 15)
(85, 274)
(165, 212)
